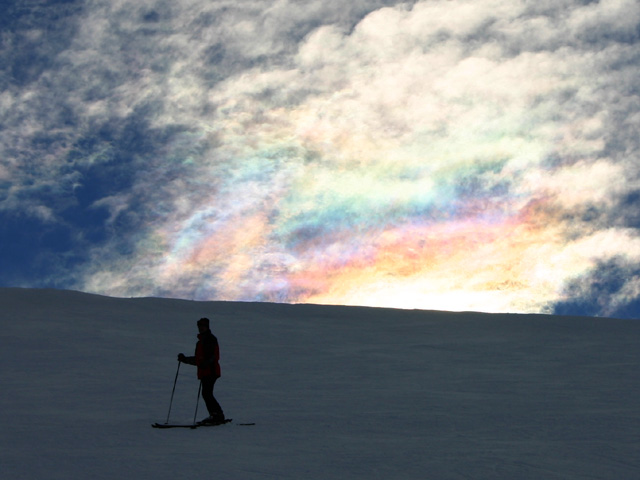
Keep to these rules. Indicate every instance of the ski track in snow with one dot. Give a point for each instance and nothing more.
(336, 392)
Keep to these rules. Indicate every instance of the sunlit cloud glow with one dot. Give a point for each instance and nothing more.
(456, 155)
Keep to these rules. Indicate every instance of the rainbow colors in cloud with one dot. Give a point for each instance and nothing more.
(442, 155)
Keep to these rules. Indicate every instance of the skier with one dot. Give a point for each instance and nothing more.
(206, 358)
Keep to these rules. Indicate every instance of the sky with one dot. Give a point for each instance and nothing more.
(452, 155)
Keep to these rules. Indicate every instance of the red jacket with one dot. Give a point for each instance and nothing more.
(207, 355)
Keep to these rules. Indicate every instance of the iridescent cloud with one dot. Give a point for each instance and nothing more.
(458, 155)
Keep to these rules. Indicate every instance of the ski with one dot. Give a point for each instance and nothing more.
(173, 425)
(199, 424)
(189, 425)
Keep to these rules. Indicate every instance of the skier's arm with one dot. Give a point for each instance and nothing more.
(188, 360)
(214, 358)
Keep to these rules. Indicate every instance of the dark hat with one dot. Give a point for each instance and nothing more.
(203, 321)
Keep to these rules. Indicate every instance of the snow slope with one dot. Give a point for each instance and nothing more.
(336, 392)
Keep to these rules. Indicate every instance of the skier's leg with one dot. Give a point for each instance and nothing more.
(207, 395)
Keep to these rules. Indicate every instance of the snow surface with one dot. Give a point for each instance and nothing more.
(336, 392)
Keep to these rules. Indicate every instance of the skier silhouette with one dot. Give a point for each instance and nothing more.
(206, 358)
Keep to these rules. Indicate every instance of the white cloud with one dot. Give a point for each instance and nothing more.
(262, 111)
(606, 17)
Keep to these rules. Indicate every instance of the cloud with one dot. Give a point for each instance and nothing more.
(448, 154)
(612, 288)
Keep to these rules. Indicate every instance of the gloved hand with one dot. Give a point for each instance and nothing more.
(181, 357)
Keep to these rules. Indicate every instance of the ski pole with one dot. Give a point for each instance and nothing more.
(173, 391)
(197, 402)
